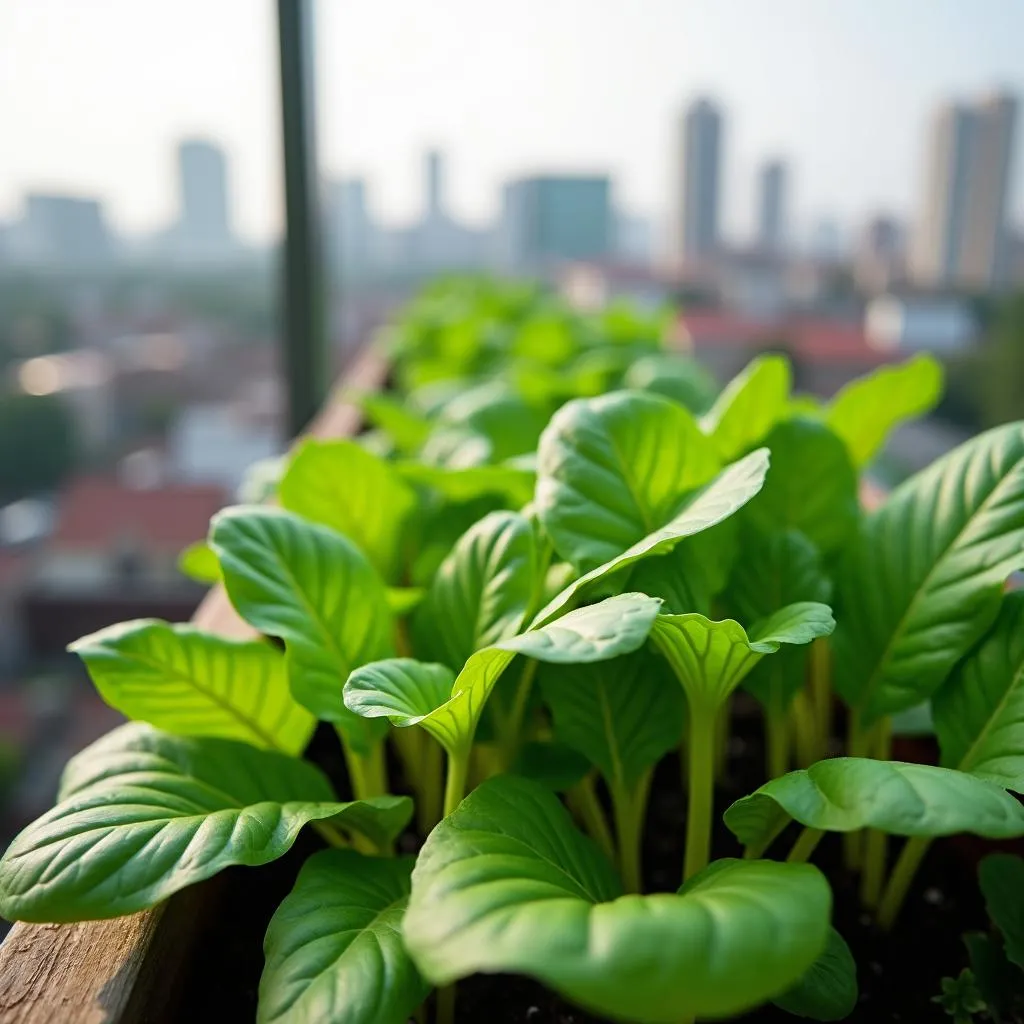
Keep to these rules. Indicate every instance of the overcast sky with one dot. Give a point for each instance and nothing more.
(94, 94)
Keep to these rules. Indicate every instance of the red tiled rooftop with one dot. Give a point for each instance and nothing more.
(819, 341)
(95, 512)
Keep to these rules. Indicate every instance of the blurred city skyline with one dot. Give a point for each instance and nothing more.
(843, 93)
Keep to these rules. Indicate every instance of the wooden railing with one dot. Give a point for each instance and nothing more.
(126, 970)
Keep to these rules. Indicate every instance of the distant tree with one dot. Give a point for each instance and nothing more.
(986, 387)
(37, 444)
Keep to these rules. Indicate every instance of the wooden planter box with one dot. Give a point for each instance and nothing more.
(126, 970)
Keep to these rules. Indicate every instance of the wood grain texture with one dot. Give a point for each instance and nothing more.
(125, 971)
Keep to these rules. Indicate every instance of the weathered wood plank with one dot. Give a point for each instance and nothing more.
(126, 970)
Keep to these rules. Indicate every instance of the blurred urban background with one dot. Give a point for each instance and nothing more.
(838, 181)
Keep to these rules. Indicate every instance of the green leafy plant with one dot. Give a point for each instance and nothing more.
(555, 562)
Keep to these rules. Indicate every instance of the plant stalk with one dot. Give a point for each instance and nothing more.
(805, 725)
(856, 746)
(806, 843)
(821, 690)
(455, 783)
(366, 772)
(776, 723)
(630, 808)
(876, 842)
(723, 719)
(700, 808)
(584, 802)
(513, 726)
(899, 881)
(430, 787)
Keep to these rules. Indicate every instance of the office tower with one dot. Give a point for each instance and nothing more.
(700, 184)
(351, 236)
(204, 220)
(984, 259)
(879, 257)
(961, 234)
(64, 231)
(771, 206)
(548, 219)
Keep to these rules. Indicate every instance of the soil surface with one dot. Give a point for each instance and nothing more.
(898, 973)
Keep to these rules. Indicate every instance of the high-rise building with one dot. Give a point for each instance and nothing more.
(700, 167)
(204, 219)
(961, 235)
(771, 206)
(549, 219)
(351, 233)
(62, 231)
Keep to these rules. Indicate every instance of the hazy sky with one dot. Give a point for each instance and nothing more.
(94, 93)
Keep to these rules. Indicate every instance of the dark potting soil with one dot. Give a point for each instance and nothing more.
(898, 972)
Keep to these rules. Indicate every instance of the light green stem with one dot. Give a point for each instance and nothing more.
(700, 808)
(805, 727)
(583, 800)
(430, 787)
(776, 723)
(821, 690)
(805, 845)
(513, 725)
(455, 783)
(330, 835)
(366, 772)
(856, 746)
(899, 881)
(630, 807)
(876, 842)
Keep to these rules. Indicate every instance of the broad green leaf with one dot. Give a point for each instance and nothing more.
(507, 884)
(923, 581)
(334, 947)
(675, 376)
(811, 487)
(406, 427)
(729, 491)
(510, 482)
(979, 710)
(554, 765)
(623, 715)
(615, 469)
(1001, 877)
(694, 573)
(199, 563)
(313, 588)
(341, 485)
(403, 600)
(866, 410)
(191, 683)
(844, 794)
(615, 626)
(143, 814)
(774, 570)
(828, 991)
(493, 410)
(452, 446)
(751, 404)
(710, 659)
(482, 592)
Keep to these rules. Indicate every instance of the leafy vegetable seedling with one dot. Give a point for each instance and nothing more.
(558, 560)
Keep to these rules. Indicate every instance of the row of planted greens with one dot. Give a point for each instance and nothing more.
(551, 564)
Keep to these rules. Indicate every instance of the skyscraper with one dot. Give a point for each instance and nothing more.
(204, 220)
(771, 206)
(961, 234)
(699, 188)
(351, 233)
(548, 219)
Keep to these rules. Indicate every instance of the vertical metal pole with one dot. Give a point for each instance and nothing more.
(304, 328)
